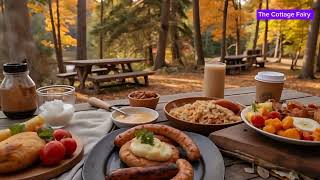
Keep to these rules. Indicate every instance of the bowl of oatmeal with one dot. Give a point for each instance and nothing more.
(203, 114)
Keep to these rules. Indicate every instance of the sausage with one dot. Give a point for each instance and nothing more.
(166, 140)
(192, 150)
(229, 105)
(132, 160)
(185, 170)
(159, 172)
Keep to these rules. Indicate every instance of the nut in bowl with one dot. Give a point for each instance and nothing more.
(148, 99)
(136, 116)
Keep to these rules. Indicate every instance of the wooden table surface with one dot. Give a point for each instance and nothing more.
(111, 61)
(245, 95)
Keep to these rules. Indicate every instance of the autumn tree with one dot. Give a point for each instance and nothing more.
(224, 30)
(310, 52)
(265, 42)
(237, 7)
(82, 30)
(197, 33)
(19, 37)
(256, 32)
(318, 63)
(101, 33)
(59, 16)
(163, 34)
(56, 35)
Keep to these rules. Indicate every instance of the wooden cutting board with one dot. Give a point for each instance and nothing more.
(39, 172)
(241, 138)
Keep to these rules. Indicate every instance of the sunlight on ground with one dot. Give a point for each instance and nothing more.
(190, 82)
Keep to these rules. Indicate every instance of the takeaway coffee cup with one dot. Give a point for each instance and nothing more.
(269, 85)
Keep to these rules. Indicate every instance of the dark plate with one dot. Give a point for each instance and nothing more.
(104, 158)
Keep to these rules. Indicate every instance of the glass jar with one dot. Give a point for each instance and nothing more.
(18, 92)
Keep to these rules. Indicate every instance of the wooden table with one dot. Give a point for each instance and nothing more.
(234, 59)
(245, 95)
(84, 67)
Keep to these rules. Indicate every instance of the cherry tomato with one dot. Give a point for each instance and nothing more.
(52, 153)
(273, 115)
(70, 145)
(60, 134)
(257, 121)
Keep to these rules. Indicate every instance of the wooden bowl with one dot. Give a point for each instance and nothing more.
(190, 126)
(148, 103)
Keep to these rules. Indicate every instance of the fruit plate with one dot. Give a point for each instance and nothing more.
(40, 172)
(274, 136)
(104, 158)
(204, 129)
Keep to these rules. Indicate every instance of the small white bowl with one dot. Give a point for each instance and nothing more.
(131, 110)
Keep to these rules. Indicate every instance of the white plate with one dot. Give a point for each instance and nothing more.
(274, 136)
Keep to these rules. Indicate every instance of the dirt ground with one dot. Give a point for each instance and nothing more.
(172, 83)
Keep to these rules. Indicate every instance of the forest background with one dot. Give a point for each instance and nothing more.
(168, 33)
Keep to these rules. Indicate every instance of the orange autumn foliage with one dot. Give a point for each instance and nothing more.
(211, 16)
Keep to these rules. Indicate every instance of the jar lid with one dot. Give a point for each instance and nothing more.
(270, 76)
(15, 67)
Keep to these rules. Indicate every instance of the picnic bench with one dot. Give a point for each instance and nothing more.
(236, 63)
(253, 55)
(109, 69)
(234, 166)
(72, 76)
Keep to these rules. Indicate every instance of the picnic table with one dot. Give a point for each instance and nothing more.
(245, 96)
(235, 63)
(106, 66)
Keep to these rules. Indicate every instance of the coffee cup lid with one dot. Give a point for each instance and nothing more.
(270, 76)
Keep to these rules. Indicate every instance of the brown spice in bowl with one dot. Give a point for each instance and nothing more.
(143, 95)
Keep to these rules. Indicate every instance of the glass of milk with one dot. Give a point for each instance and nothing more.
(213, 82)
(56, 104)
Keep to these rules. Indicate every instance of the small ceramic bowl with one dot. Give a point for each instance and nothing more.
(148, 102)
(132, 110)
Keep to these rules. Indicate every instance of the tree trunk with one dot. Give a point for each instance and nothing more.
(3, 42)
(149, 50)
(276, 49)
(19, 37)
(265, 42)
(318, 65)
(82, 30)
(309, 55)
(295, 60)
(256, 33)
(61, 67)
(2, 6)
(163, 35)
(175, 47)
(197, 33)
(224, 30)
(101, 34)
(280, 48)
(238, 23)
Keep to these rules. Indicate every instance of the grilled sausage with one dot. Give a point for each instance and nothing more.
(160, 172)
(192, 150)
(132, 160)
(185, 170)
(166, 140)
(229, 105)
